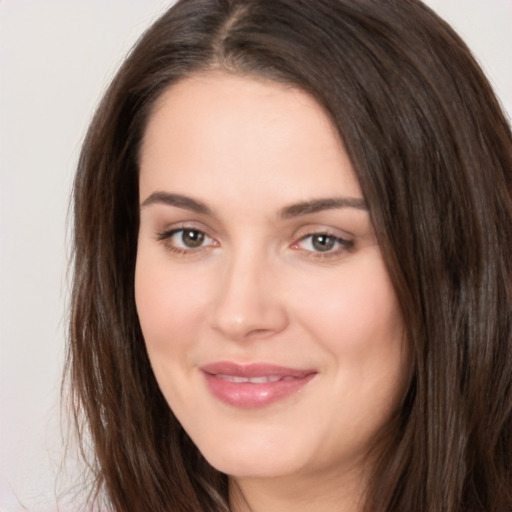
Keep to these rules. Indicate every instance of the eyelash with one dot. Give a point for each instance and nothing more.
(341, 245)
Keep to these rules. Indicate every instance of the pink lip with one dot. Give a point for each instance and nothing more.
(247, 395)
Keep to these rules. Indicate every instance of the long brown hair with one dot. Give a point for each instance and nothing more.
(433, 154)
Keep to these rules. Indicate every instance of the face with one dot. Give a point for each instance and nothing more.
(270, 321)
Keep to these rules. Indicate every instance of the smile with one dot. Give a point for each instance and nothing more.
(255, 385)
(253, 380)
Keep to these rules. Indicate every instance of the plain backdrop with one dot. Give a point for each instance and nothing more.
(56, 58)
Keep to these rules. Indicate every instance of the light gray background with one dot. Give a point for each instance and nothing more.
(56, 57)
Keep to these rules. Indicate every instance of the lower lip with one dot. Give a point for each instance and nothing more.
(246, 395)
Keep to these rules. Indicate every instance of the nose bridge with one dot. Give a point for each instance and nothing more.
(248, 299)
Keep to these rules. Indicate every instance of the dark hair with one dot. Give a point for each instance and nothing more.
(433, 155)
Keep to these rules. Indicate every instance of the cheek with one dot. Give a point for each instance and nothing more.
(356, 309)
(169, 303)
(170, 306)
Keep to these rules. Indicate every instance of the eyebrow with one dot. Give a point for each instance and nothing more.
(177, 200)
(294, 210)
(318, 205)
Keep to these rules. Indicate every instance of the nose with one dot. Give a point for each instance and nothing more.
(249, 303)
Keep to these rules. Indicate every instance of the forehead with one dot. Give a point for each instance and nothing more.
(235, 135)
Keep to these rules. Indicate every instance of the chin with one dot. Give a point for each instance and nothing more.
(254, 468)
(262, 459)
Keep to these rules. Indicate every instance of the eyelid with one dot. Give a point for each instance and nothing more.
(193, 225)
(317, 229)
(173, 231)
(339, 239)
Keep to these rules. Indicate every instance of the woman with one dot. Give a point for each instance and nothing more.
(293, 289)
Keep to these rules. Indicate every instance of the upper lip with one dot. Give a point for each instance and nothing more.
(254, 370)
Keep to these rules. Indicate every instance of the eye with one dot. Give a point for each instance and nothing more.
(323, 244)
(186, 239)
(190, 238)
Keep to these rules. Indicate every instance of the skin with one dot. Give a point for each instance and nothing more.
(259, 287)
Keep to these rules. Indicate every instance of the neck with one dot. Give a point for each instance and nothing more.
(313, 493)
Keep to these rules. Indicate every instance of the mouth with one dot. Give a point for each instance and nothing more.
(253, 380)
(254, 385)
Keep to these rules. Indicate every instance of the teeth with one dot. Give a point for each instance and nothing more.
(252, 380)
(263, 380)
(238, 380)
